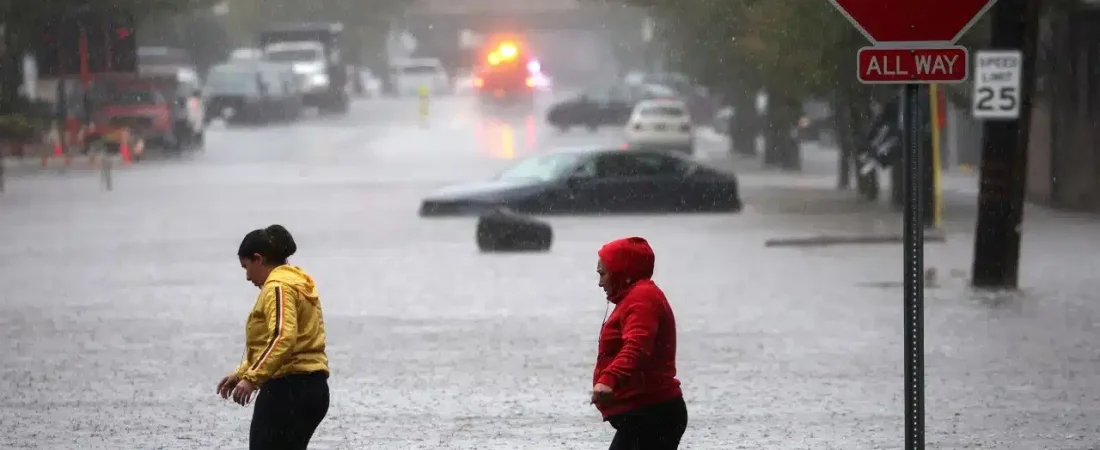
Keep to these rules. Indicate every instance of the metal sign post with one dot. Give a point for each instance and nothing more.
(913, 256)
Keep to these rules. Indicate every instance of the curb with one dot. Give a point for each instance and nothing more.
(930, 236)
(52, 163)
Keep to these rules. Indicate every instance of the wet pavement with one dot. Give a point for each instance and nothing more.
(124, 308)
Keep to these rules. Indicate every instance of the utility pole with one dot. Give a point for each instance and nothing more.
(1004, 156)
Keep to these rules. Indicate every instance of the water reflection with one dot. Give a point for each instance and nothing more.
(530, 136)
(500, 137)
(507, 142)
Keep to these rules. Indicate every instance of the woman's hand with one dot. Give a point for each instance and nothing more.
(601, 393)
(226, 385)
(242, 394)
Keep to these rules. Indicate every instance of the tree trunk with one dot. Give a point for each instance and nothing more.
(744, 122)
(11, 69)
(781, 148)
(1004, 158)
(847, 136)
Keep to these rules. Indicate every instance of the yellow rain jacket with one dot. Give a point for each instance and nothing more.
(285, 333)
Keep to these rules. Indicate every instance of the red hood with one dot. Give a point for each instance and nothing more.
(627, 261)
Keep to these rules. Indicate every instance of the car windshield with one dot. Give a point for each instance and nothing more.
(293, 55)
(662, 111)
(544, 168)
(419, 70)
(239, 82)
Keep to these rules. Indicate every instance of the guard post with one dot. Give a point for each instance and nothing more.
(425, 104)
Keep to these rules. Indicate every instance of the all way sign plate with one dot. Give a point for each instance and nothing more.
(882, 65)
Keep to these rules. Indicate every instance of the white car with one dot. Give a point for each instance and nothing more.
(661, 124)
(372, 86)
(464, 82)
(410, 76)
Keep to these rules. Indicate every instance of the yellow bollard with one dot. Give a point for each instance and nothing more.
(425, 106)
(937, 187)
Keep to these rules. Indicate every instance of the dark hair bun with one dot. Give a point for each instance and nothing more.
(282, 243)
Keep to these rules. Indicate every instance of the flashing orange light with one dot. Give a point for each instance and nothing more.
(494, 58)
(508, 50)
(530, 82)
(479, 82)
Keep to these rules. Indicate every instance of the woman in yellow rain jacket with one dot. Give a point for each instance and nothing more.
(285, 350)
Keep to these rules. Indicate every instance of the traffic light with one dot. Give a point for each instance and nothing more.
(115, 48)
(109, 40)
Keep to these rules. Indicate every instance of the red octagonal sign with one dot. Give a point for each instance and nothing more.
(894, 22)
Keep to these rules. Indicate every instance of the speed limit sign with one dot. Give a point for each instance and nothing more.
(997, 75)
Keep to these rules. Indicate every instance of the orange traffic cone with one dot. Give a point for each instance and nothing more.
(124, 148)
(57, 152)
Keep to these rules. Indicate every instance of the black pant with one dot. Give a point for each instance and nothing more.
(287, 411)
(654, 427)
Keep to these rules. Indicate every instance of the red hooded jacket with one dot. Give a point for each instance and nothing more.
(637, 353)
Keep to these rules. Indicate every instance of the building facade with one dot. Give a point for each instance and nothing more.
(1064, 147)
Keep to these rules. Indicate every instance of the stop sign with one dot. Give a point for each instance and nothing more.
(913, 21)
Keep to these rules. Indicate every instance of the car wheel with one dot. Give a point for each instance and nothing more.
(174, 141)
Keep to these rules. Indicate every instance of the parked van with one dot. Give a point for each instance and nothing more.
(254, 92)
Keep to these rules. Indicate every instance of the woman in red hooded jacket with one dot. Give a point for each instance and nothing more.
(634, 384)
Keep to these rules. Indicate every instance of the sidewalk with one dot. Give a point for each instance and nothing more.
(29, 164)
(836, 214)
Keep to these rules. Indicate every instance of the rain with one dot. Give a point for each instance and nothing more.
(450, 169)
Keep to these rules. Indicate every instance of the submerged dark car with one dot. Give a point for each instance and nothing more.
(594, 181)
(595, 108)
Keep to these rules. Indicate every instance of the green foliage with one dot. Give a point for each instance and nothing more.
(249, 16)
(22, 127)
(38, 9)
(21, 18)
(796, 47)
(366, 21)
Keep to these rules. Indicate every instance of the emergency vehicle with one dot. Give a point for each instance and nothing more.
(507, 75)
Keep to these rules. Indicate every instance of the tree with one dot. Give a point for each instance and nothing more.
(367, 21)
(21, 17)
(793, 49)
